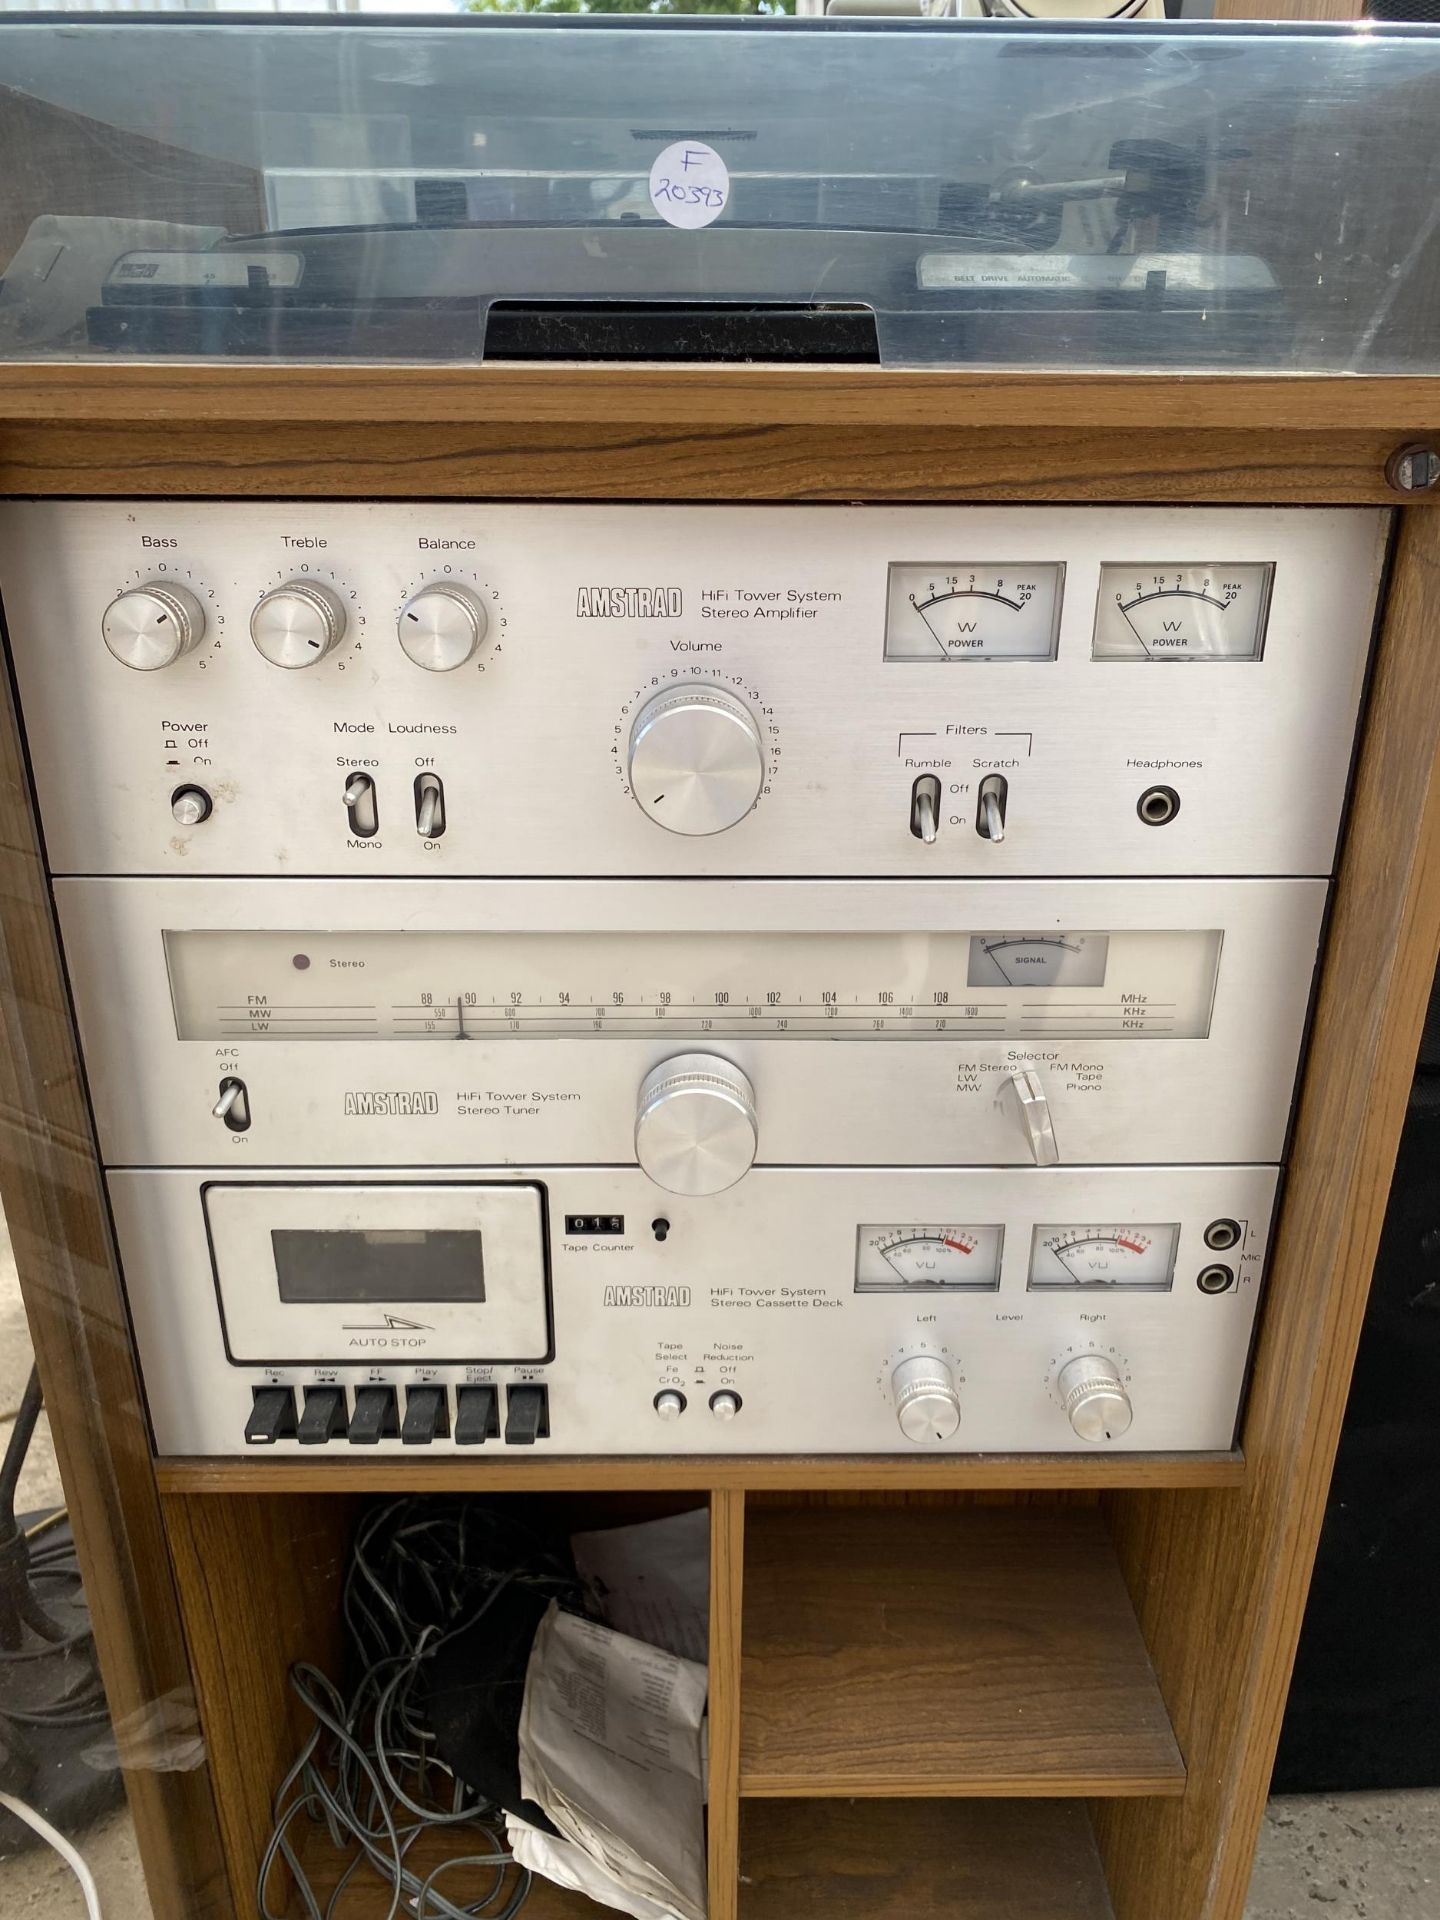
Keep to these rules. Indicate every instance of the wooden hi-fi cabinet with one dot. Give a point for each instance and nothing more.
(1043, 1688)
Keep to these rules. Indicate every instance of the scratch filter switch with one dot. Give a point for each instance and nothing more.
(527, 1416)
(477, 1415)
(426, 1416)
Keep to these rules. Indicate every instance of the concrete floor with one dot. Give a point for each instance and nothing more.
(1351, 1857)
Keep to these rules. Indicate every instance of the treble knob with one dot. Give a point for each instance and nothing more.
(297, 624)
(152, 626)
(695, 1126)
(927, 1402)
(1094, 1398)
(696, 764)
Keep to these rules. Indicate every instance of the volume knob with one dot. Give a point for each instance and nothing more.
(927, 1404)
(1094, 1398)
(695, 1127)
(152, 626)
(441, 626)
(297, 624)
(695, 761)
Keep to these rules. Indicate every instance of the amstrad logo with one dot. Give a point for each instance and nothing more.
(629, 603)
(623, 1296)
(402, 1103)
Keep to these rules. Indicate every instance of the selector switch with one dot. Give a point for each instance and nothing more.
(527, 1415)
(670, 1403)
(272, 1416)
(427, 1416)
(295, 625)
(153, 626)
(376, 1416)
(324, 1416)
(477, 1415)
(1028, 1092)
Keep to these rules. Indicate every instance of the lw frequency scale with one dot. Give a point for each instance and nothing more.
(752, 1084)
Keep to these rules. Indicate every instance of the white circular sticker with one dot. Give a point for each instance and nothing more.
(689, 184)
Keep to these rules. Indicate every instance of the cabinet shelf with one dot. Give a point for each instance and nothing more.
(920, 1860)
(921, 1652)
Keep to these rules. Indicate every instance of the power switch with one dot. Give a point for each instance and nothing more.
(376, 1416)
(527, 1416)
(427, 1416)
(324, 1416)
(272, 1417)
(477, 1415)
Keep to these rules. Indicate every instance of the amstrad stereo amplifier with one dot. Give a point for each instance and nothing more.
(639, 980)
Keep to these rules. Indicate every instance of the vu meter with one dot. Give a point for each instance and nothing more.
(1141, 1257)
(965, 611)
(912, 1259)
(1200, 612)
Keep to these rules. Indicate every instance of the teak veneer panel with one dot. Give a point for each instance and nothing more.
(921, 1860)
(495, 1470)
(916, 1652)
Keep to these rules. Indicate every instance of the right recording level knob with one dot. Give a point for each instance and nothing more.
(297, 624)
(927, 1402)
(1094, 1398)
(695, 1127)
(696, 764)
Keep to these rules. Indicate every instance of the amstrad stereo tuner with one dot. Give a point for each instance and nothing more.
(697, 980)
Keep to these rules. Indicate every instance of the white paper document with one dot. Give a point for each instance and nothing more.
(652, 1581)
(610, 1748)
(565, 1864)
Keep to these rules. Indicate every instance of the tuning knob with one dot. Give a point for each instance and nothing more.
(695, 1130)
(152, 626)
(441, 626)
(297, 624)
(927, 1404)
(1094, 1398)
(696, 763)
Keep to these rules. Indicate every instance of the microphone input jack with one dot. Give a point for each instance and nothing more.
(1158, 806)
(1217, 1278)
(1221, 1235)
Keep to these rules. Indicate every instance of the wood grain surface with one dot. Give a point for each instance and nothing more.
(55, 1207)
(727, 1568)
(259, 1580)
(915, 1653)
(1220, 1579)
(904, 1472)
(179, 396)
(920, 1860)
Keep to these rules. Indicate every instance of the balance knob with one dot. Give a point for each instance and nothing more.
(152, 626)
(696, 764)
(441, 626)
(1094, 1398)
(695, 1130)
(927, 1404)
(297, 624)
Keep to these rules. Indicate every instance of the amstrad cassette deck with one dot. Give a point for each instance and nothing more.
(690, 980)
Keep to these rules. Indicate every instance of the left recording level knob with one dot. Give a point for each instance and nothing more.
(297, 624)
(927, 1402)
(152, 626)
